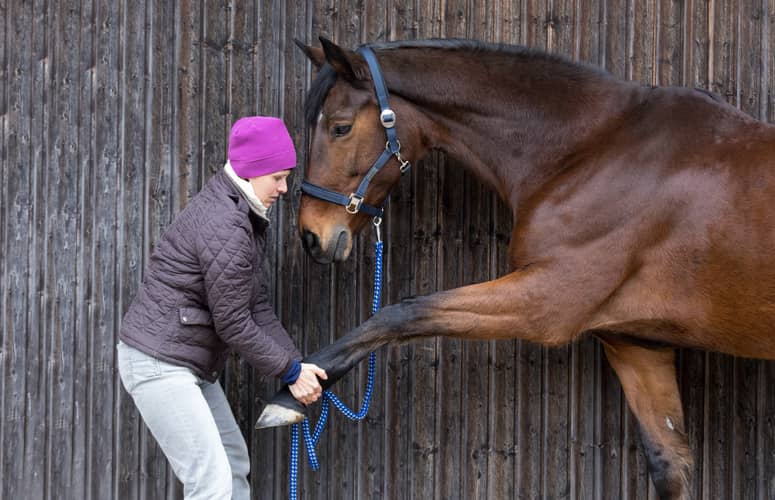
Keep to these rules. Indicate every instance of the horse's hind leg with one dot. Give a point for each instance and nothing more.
(648, 378)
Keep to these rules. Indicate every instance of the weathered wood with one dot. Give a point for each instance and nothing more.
(113, 114)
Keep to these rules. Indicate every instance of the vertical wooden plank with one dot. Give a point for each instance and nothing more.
(242, 51)
(64, 425)
(35, 409)
(642, 44)
(5, 216)
(589, 22)
(614, 37)
(768, 42)
(215, 88)
(691, 373)
(719, 437)
(609, 433)
(529, 421)
(103, 317)
(697, 44)
(114, 19)
(723, 57)
(19, 240)
(160, 69)
(189, 54)
(670, 40)
(80, 341)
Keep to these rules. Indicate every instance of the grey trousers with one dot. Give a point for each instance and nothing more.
(192, 422)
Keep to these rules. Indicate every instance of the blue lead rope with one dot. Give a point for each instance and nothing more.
(311, 440)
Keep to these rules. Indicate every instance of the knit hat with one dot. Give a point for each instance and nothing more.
(260, 145)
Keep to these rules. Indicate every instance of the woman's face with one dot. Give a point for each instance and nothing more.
(268, 188)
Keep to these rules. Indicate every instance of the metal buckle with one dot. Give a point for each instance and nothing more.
(388, 118)
(355, 204)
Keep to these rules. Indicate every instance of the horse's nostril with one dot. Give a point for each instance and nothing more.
(309, 240)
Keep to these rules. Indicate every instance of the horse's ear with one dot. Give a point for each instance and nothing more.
(347, 64)
(315, 55)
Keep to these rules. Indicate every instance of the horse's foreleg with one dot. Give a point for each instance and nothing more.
(530, 305)
(649, 381)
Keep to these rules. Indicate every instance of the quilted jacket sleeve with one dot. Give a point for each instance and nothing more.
(226, 255)
(267, 319)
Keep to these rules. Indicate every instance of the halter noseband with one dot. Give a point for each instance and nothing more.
(354, 203)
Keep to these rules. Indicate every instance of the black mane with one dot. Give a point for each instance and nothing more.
(326, 77)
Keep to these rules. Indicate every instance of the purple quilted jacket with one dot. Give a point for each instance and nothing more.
(203, 294)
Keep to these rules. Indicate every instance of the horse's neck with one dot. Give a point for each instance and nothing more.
(512, 124)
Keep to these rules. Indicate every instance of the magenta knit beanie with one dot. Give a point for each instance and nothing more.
(260, 145)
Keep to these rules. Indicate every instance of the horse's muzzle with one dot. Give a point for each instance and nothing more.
(337, 248)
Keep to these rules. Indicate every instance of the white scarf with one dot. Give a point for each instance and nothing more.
(247, 191)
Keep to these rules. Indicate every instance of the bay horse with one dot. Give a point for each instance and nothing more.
(642, 215)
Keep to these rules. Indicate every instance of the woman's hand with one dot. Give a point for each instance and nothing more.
(307, 389)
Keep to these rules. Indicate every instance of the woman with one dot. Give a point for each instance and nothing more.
(203, 297)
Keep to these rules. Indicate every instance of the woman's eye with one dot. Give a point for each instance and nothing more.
(342, 130)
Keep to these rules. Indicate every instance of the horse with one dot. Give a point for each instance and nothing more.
(642, 214)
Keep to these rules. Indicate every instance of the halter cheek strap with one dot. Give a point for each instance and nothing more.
(354, 203)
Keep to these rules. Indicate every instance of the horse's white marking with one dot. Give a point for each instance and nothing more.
(320, 116)
(669, 423)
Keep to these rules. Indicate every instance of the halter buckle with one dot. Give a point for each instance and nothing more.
(388, 118)
(355, 204)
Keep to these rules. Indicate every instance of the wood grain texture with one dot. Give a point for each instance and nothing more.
(114, 114)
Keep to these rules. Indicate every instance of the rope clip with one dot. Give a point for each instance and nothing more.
(377, 221)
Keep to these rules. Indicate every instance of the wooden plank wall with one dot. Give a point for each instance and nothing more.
(114, 112)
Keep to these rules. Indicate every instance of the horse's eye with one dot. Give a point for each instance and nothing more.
(341, 130)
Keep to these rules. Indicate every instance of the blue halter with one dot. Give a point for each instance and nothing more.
(354, 203)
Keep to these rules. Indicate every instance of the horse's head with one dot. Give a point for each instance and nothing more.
(347, 138)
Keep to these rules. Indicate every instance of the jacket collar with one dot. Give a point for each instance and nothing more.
(246, 190)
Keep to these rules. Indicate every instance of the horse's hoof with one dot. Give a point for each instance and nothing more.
(277, 416)
(284, 409)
